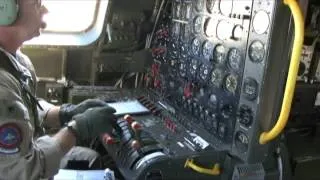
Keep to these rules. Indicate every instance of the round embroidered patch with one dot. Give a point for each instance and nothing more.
(10, 136)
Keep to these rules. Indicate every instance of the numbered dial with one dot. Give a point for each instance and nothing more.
(256, 51)
(194, 67)
(197, 25)
(199, 5)
(210, 5)
(204, 72)
(250, 88)
(231, 83)
(195, 46)
(234, 59)
(241, 141)
(206, 49)
(210, 27)
(245, 115)
(216, 77)
(219, 54)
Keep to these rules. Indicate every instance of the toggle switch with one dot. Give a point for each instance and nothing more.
(128, 118)
(136, 127)
(135, 145)
(107, 139)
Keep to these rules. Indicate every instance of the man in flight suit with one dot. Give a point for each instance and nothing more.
(25, 153)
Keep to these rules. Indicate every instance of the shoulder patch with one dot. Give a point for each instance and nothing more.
(10, 138)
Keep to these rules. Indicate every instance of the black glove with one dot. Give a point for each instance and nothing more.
(67, 111)
(93, 122)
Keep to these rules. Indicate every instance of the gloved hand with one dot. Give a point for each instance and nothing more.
(67, 111)
(93, 122)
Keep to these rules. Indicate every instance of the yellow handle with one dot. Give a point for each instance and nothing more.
(292, 75)
(214, 171)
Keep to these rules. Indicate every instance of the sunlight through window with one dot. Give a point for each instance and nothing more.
(69, 15)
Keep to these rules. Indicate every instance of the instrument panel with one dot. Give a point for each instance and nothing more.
(215, 63)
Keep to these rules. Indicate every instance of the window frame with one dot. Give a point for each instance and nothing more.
(74, 38)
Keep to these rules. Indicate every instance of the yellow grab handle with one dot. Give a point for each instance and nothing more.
(215, 171)
(292, 75)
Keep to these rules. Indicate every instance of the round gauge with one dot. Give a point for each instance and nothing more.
(245, 115)
(175, 30)
(183, 69)
(226, 7)
(195, 46)
(199, 5)
(193, 67)
(241, 141)
(219, 54)
(224, 30)
(256, 51)
(231, 83)
(204, 72)
(177, 10)
(250, 88)
(237, 32)
(210, 27)
(261, 22)
(216, 77)
(210, 4)
(206, 49)
(197, 25)
(187, 12)
(234, 59)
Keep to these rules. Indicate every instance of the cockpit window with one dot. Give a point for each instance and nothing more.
(72, 23)
(70, 15)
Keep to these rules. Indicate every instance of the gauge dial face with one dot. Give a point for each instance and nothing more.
(210, 5)
(210, 27)
(231, 83)
(250, 88)
(216, 77)
(204, 72)
(193, 67)
(241, 141)
(237, 32)
(199, 5)
(256, 51)
(219, 54)
(224, 30)
(195, 46)
(226, 7)
(197, 25)
(234, 59)
(206, 49)
(261, 22)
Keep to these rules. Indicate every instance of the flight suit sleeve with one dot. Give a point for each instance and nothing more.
(22, 157)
